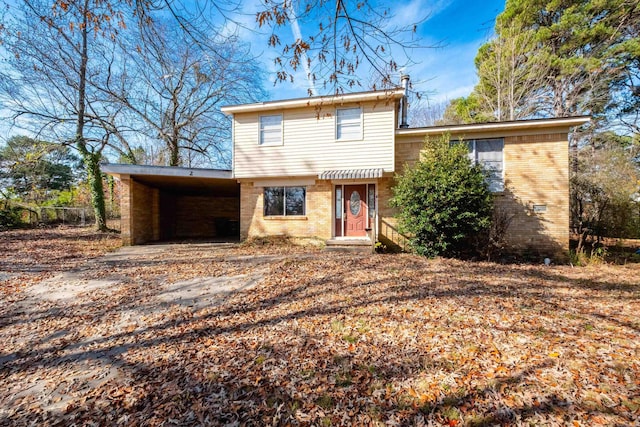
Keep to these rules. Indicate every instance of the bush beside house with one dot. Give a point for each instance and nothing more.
(443, 201)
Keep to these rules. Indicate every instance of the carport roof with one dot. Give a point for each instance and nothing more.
(117, 169)
(183, 180)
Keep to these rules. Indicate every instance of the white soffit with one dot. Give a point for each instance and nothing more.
(316, 101)
(168, 171)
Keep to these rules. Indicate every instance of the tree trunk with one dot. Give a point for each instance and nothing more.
(91, 159)
(174, 153)
(92, 165)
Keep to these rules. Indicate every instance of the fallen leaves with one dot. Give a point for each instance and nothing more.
(320, 339)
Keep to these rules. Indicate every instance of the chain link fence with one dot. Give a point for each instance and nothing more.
(59, 215)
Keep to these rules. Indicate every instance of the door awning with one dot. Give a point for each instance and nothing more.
(352, 174)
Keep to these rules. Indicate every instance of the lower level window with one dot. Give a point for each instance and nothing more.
(284, 201)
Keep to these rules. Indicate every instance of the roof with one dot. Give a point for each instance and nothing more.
(351, 174)
(117, 169)
(498, 126)
(314, 101)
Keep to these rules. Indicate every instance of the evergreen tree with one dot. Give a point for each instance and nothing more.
(557, 58)
(31, 169)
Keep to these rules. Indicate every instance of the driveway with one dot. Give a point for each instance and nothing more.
(127, 262)
(90, 310)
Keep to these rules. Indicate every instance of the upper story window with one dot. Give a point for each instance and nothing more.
(489, 153)
(349, 123)
(271, 130)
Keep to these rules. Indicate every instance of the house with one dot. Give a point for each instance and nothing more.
(324, 167)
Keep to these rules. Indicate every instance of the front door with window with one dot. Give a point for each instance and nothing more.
(355, 218)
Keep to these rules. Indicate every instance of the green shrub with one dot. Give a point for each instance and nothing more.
(583, 257)
(10, 218)
(443, 200)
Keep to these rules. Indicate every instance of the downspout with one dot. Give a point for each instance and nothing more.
(405, 85)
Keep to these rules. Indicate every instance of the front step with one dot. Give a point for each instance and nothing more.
(349, 245)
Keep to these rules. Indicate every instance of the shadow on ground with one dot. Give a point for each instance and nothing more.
(325, 339)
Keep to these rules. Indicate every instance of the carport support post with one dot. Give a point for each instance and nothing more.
(125, 210)
(140, 212)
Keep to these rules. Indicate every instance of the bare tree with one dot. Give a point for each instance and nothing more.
(604, 190)
(45, 82)
(510, 87)
(627, 92)
(347, 35)
(427, 113)
(63, 59)
(173, 90)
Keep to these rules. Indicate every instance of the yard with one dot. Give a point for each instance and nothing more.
(262, 334)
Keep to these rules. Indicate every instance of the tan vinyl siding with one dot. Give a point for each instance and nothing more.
(310, 146)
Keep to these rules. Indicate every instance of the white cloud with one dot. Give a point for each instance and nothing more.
(417, 10)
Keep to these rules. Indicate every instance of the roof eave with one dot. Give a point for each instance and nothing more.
(381, 95)
(498, 126)
(117, 170)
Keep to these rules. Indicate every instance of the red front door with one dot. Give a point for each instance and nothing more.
(355, 220)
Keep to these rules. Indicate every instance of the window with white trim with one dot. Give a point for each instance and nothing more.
(271, 130)
(285, 201)
(348, 123)
(490, 154)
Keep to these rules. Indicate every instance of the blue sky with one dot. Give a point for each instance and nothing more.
(463, 26)
(444, 73)
(460, 27)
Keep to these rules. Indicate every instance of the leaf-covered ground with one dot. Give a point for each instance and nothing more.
(28, 256)
(207, 334)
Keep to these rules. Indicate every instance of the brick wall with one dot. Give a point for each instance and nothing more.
(125, 211)
(384, 194)
(316, 222)
(200, 216)
(140, 213)
(536, 173)
(149, 214)
(407, 153)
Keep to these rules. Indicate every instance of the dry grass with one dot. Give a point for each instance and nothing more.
(328, 339)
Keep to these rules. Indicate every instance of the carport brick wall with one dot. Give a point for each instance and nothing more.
(125, 212)
(195, 216)
(140, 213)
(316, 222)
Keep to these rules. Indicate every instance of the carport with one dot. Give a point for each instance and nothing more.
(160, 203)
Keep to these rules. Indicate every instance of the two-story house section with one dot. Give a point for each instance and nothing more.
(324, 167)
(314, 166)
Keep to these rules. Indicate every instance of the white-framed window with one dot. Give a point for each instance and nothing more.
(349, 123)
(270, 130)
(285, 201)
(490, 154)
